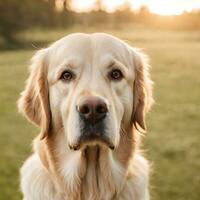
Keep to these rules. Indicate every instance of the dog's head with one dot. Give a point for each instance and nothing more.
(88, 87)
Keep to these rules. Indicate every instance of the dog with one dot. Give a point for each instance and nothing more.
(89, 94)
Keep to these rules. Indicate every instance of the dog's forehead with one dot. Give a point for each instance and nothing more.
(96, 44)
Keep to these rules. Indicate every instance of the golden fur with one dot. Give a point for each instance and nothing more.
(54, 172)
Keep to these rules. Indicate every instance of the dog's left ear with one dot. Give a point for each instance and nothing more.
(34, 100)
(142, 90)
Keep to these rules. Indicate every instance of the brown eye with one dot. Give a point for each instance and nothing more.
(116, 75)
(67, 76)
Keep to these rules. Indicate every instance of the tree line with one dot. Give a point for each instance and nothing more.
(18, 15)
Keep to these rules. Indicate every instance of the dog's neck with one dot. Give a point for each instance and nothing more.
(102, 174)
(96, 170)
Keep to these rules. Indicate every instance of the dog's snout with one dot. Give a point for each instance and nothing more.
(92, 108)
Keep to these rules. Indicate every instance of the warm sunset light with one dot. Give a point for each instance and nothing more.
(164, 7)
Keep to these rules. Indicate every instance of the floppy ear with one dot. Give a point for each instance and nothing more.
(142, 91)
(34, 100)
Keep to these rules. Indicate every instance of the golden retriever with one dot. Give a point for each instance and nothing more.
(89, 94)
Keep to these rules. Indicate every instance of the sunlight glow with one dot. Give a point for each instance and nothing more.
(162, 7)
(82, 6)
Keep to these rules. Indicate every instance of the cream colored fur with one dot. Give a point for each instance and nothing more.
(94, 172)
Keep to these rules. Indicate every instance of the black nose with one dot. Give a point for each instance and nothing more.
(92, 108)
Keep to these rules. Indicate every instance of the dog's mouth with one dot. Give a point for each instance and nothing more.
(92, 140)
(93, 134)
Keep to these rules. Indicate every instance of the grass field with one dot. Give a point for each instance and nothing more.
(172, 142)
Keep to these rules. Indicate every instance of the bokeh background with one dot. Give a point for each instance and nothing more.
(168, 31)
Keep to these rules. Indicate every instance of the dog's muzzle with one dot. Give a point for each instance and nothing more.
(92, 114)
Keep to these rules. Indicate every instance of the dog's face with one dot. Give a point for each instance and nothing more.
(89, 87)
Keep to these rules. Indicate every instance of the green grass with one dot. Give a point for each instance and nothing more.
(172, 141)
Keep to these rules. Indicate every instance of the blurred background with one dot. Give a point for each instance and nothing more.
(168, 31)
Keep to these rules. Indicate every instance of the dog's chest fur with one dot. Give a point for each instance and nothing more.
(95, 175)
(103, 177)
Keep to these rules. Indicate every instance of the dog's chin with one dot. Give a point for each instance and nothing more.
(92, 140)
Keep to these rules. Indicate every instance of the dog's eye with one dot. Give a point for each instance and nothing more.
(67, 76)
(116, 75)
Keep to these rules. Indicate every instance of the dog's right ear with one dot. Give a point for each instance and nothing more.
(34, 100)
